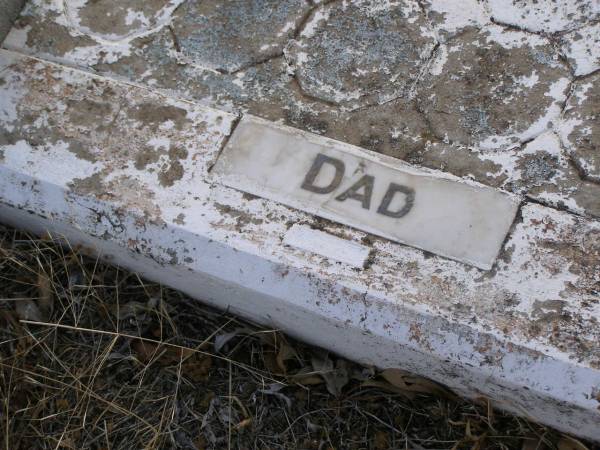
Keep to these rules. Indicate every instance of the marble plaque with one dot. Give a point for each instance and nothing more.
(428, 210)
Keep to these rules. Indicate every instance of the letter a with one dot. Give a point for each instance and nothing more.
(309, 181)
(366, 184)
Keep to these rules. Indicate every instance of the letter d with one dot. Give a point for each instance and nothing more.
(309, 180)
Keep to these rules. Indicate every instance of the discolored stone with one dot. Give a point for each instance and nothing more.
(10, 12)
(449, 17)
(115, 21)
(362, 52)
(582, 49)
(494, 88)
(547, 16)
(125, 170)
(113, 142)
(227, 36)
(483, 97)
(580, 128)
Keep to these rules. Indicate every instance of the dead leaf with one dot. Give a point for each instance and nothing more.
(46, 296)
(382, 440)
(385, 386)
(200, 443)
(28, 310)
(145, 351)
(335, 378)
(306, 377)
(274, 390)
(533, 442)
(131, 310)
(244, 423)
(570, 443)
(194, 365)
(62, 404)
(285, 353)
(406, 381)
(270, 360)
(224, 338)
(197, 368)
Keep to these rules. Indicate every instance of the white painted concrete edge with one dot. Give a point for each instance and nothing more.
(531, 385)
(356, 314)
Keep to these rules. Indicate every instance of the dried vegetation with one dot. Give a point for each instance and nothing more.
(92, 356)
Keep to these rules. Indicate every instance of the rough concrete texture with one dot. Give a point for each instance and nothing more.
(9, 10)
(544, 15)
(124, 169)
(256, 31)
(381, 59)
(580, 129)
(582, 48)
(450, 85)
(502, 92)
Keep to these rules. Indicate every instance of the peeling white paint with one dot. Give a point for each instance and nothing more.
(406, 308)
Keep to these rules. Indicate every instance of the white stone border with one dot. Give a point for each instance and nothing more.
(395, 314)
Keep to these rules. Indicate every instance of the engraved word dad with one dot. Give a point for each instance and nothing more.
(376, 194)
(362, 190)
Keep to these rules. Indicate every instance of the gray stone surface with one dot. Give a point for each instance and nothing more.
(458, 89)
(493, 88)
(345, 61)
(9, 10)
(582, 48)
(547, 16)
(437, 84)
(580, 128)
(229, 36)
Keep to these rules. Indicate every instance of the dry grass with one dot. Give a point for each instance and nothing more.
(92, 356)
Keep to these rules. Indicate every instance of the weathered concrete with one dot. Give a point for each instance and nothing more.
(9, 10)
(383, 196)
(124, 170)
(326, 68)
(582, 48)
(379, 60)
(500, 92)
(547, 16)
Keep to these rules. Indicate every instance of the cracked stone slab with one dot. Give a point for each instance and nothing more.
(10, 10)
(582, 49)
(450, 17)
(541, 169)
(494, 88)
(118, 22)
(580, 128)
(488, 128)
(547, 16)
(356, 53)
(124, 170)
(228, 36)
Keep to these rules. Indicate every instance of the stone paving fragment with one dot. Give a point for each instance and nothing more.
(362, 52)
(124, 169)
(115, 22)
(102, 138)
(582, 49)
(548, 16)
(450, 17)
(478, 138)
(10, 11)
(580, 127)
(228, 36)
(493, 88)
